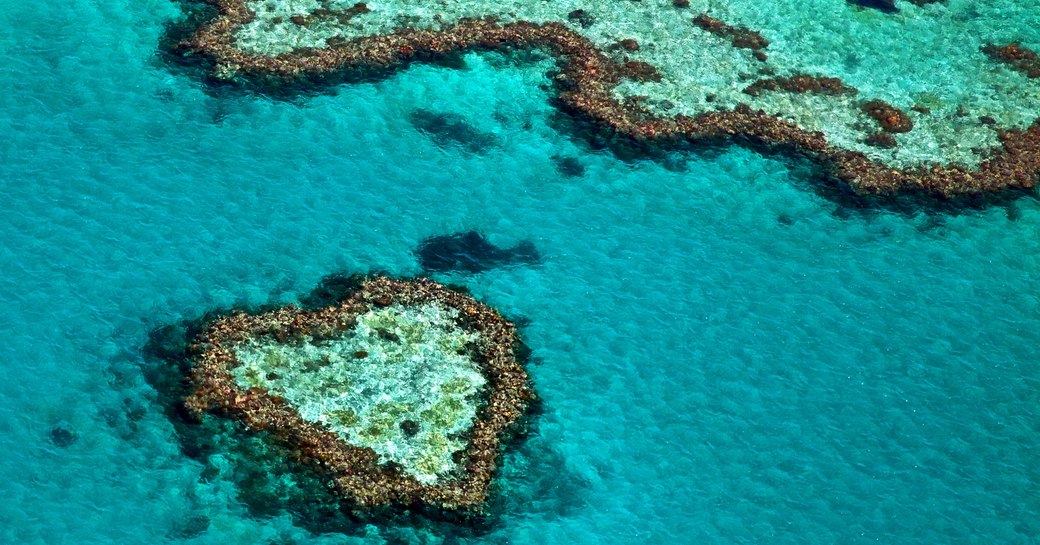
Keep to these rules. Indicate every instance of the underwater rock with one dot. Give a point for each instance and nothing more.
(418, 422)
(452, 129)
(471, 252)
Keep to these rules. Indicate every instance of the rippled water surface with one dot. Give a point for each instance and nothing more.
(725, 355)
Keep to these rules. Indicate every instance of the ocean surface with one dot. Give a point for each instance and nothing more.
(725, 355)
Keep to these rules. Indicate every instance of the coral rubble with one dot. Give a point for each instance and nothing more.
(400, 394)
(252, 40)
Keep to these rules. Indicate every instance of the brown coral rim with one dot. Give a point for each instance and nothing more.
(587, 76)
(354, 472)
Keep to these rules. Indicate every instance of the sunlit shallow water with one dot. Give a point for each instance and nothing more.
(724, 355)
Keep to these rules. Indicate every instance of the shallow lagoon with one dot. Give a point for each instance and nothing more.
(725, 355)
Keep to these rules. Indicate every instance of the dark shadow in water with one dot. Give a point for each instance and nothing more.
(567, 166)
(671, 155)
(448, 129)
(271, 483)
(537, 480)
(887, 6)
(471, 252)
(190, 527)
(63, 435)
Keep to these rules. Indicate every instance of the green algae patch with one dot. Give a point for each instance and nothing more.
(400, 394)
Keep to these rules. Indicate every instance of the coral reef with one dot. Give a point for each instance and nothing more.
(400, 394)
(253, 41)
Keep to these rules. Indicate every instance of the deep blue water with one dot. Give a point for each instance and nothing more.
(725, 356)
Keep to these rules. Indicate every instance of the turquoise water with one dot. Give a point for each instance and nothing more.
(724, 355)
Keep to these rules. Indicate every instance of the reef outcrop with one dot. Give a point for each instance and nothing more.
(1016, 56)
(589, 77)
(400, 395)
(739, 37)
(890, 118)
(801, 83)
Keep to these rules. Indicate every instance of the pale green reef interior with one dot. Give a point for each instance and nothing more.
(403, 382)
(927, 56)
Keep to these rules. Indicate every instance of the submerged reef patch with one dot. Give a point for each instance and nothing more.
(887, 6)
(652, 75)
(452, 129)
(62, 435)
(890, 6)
(399, 394)
(471, 252)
